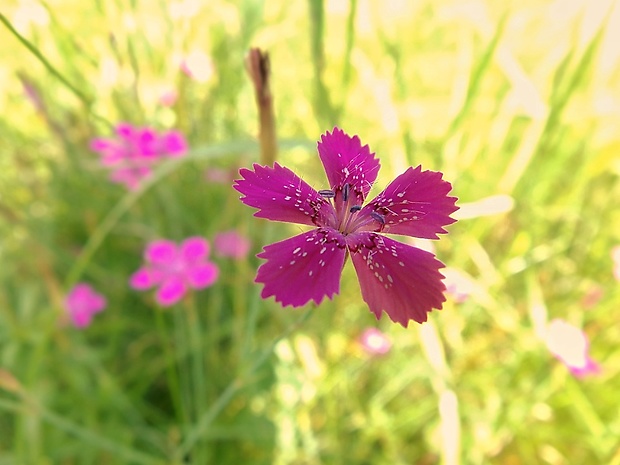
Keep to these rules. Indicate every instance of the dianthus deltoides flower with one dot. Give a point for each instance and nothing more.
(401, 280)
(134, 151)
(81, 304)
(174, 269)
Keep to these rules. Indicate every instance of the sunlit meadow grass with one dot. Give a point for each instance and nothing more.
(518, 103)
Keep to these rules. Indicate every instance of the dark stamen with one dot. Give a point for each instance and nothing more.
(378, 216)
(355, 208)
(327, 193)
(345, 191)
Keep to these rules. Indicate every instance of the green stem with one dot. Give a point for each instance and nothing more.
(193, 329)
(83, 98)
(200, 428)
(171, 372)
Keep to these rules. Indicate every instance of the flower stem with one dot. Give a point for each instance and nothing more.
(171, 372)
(258, 67)
(199, 429)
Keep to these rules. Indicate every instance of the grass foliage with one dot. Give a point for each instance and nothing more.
(516, 102)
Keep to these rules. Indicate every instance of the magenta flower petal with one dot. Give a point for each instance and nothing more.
(303, 268)
(171, 291)
(147, 141)
(174, 144)
(113, 158)
(590, 368)
(415, 204)
(125, 130)
(99, 144)
(145, 278)
(129, 177)
(346, 161)
(82, 302)
(82, 319)
(280, 195)
(202, 275)
(162, 252)
(401, 280)
(194, 249)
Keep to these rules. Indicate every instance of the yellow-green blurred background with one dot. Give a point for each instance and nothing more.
(516, 102)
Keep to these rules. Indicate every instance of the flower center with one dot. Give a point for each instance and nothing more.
(348, 218)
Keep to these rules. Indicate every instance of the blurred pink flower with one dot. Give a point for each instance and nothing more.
(82, 303)
(615, 256)
(31, 92)
(570, 345)
(198, 66)
(168, 97)
(231, 244)
(134, 151)
(592, 296)
(459, 286)
(220, 175)
(374, 342)
(173, 269)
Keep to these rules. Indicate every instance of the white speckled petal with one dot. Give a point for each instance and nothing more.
(415, 204)
(401, 280)
(303, 268)
(346, 161)
(281, 195)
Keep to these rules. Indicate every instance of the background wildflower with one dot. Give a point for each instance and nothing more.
(570, 345)
(81, 304)
(198, 66)
(131, 155)
(459, 286)
(175, 269)
(375, 342)
(231, 244)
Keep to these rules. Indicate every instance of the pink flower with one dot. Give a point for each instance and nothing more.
(219, 175)
(570, 345)
(459, 286)
(174, 269)
(82, 303)
(198, 66)
(399, 279)
(615, 256)
(134, 151)
(231, 244)
(374, 342)
(592, 296)
(168, 97)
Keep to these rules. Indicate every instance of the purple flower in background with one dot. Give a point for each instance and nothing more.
(134, 151)
(231, 244)
(82, 303)
(174, 269)
(401, 280)
(570, 345)
(374, 342)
